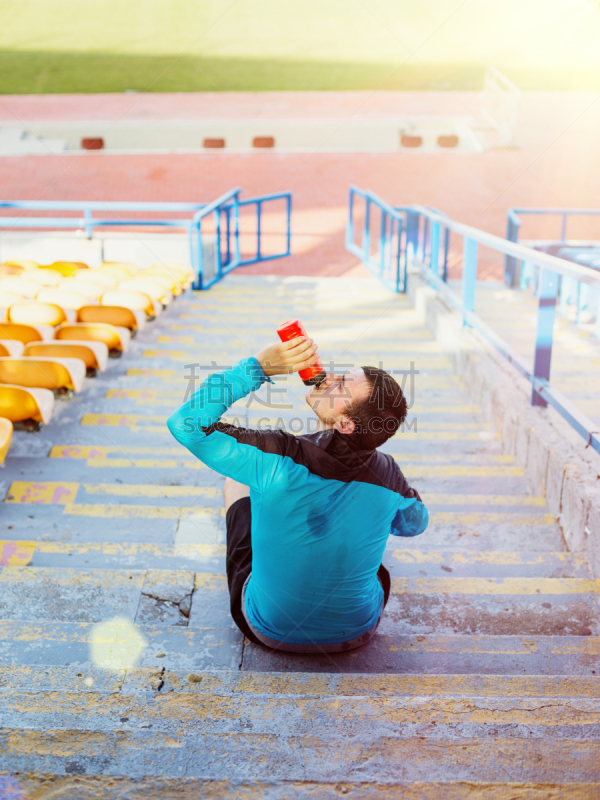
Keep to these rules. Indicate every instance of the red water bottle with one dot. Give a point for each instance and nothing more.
(314, 375)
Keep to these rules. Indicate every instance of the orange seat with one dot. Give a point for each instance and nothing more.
(114, 315)
(65, 299)
(25, 333)
(93, 354)
(35, 313)
(10, 269)
(82, 286)
(11, 347)
(66, 268)
(156, 287)
(20, 285)
(6, 430)
(136, 301)
(22, 263)
(44, 373)
(18, 404)
(115, 338)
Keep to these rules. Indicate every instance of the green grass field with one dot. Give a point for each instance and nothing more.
(257, 45)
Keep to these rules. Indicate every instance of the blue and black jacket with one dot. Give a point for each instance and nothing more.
(321, 514)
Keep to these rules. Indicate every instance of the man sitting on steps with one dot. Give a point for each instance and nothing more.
(307, 517)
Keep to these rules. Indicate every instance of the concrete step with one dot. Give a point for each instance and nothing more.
(90, 787)
(27, 642)
(313, 757)
(400, 561)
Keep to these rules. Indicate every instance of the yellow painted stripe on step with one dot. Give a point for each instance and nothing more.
(201, 551)
(452, 458)
(43, 492)
(77, 451)
(124, 511)
(460, 471)
(177, 354)
(16, 554)
(210, 581)
(132, 394)
(47, 576)
(144, 463)
(489, 518)
(150, 490)
(474, 557)
(482, 500)
(421, 408)
(176, 339)
(186, 708)
(145, 372)
(495, 586)
(357, 685)
(122, 420)
(497, 645)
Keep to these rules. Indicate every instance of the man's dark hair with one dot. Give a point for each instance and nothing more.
(380, 414)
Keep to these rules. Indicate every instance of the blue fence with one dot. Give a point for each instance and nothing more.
(225, 212)
(422, 244)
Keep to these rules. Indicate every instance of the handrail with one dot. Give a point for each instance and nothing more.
(421, 245)
(226, 206)
(519, 251)
(514, 222)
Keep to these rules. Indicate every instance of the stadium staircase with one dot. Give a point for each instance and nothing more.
(483, 680)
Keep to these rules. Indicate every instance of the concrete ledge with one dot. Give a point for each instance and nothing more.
(555, 458)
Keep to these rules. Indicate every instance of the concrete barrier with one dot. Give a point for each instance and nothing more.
(555, 458)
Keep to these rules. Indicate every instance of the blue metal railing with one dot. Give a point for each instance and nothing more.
(424, 247)
(226, 255)
(385, 263)
(514, 223)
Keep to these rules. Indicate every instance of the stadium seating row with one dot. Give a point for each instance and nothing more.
(60, 323)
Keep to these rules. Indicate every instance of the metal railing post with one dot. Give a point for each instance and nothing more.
(366, 237)
(434, 249)
(545, 329)
(87, 217)
(258, 229)
(446, 247)
(469, 276)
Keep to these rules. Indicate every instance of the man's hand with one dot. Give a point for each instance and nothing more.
(285, 357)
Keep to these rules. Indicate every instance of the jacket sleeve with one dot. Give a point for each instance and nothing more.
(242, 454)
(412, 516)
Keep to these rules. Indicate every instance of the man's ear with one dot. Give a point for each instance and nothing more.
(345, 425)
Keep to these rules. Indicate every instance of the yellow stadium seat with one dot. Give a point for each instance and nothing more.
(23, 263)
(115, 338)
(93, 354)
(6, 429)
(168, 277)
(136, 301)
(82, 286)
(11, 347)
(63, 298)
(128, 266)
(180, 268)
(36, 313)
(114, 315)
(19, 404)
(8, 299)
(66, 268)
(10, 269)
(155, 287)
(99, 275)
(25, 333)
(56, 374)
(19, 285)
(43, 276)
